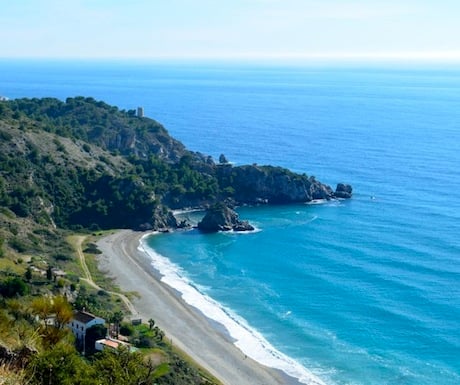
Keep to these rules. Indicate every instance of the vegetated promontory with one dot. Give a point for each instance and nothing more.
(85, 164)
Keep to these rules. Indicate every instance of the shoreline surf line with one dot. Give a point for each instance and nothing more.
(247, 339)
(186, 327)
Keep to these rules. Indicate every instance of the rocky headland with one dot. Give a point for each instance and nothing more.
(85, 164)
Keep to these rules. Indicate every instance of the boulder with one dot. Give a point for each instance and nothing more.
(222, 218)
(343, 191)
(243, 226)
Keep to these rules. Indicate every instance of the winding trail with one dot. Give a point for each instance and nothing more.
(79, 239)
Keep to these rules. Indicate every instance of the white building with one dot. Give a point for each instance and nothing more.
(81, 322)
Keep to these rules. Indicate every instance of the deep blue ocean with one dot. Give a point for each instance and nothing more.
(359, 292)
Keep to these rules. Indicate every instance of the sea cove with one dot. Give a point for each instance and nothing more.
(358, 292)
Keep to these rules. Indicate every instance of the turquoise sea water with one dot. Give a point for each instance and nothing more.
(365, 291)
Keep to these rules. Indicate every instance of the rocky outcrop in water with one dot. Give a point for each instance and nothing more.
(343, 191)
(222, 218)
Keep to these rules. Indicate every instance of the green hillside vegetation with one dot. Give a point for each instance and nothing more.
(83, 163)
(34, 352)
(83, 166)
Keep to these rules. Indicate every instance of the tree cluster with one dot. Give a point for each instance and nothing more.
(47, 181)
(37, 348)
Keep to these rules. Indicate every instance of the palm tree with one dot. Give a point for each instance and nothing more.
(160, 335)
(116, 319)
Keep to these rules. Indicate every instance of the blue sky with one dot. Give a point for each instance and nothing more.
(234, 29)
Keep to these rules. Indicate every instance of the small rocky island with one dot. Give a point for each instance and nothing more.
(220, 217)
(343, 191)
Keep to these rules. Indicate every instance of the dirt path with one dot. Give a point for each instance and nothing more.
(79, 239)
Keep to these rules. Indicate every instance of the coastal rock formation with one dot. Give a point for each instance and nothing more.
(85, 164)
(255, 184)
(222, 218)
(343, 191)
(162, 219)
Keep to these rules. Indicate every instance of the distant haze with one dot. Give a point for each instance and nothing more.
(237, 29)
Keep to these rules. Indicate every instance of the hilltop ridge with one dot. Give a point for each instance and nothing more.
(85, 164)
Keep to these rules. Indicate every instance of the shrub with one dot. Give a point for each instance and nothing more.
(18, 244)
(126, 329)
(5, 136)
(91, 248)
(146, 342)
(62, 257)
(13, 286)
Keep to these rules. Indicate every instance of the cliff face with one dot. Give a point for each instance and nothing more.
(275, 185)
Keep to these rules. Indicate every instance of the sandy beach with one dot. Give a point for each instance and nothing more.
(184, 325)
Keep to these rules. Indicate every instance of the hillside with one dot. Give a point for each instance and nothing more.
(85, 164)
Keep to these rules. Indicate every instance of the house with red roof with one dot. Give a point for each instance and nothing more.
(111, 343)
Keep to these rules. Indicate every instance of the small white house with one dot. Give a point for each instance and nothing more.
(82, 321)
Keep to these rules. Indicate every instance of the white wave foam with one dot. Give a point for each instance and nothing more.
(247, 339)
(316, 202)
(186, 211)
(313, 218)
(328, 202)
(231, 232)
